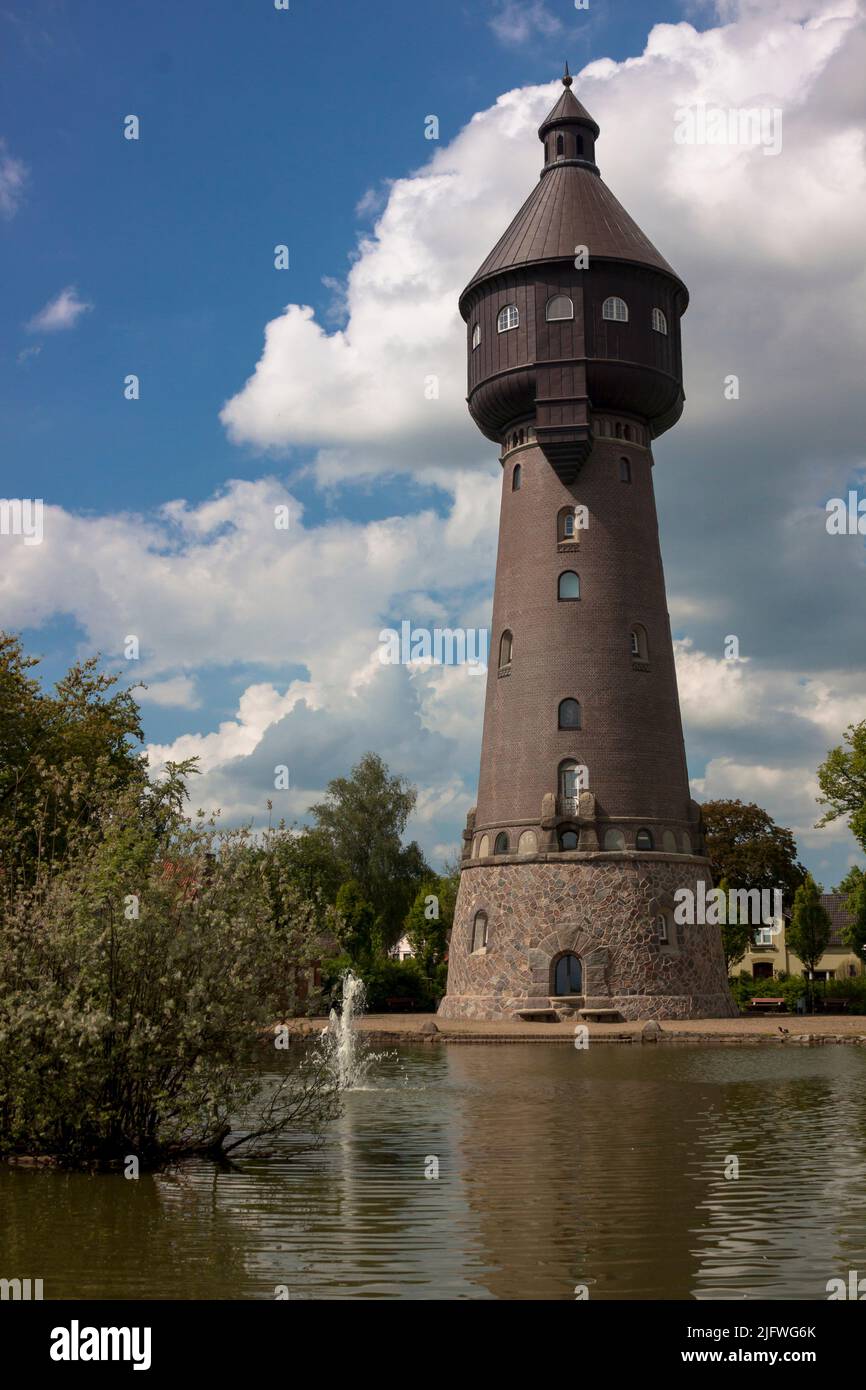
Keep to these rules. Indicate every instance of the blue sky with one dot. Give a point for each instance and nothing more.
(306, 127)
(258, 127)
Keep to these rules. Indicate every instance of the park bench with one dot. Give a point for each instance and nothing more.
(538, 1015)
(769, 1005)
(600, 1015)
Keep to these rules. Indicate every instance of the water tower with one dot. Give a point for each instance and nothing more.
(584, 826)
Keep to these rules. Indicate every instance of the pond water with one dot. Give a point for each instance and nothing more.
(556, 1168)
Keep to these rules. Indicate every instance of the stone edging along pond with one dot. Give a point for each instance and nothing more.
(425, 1028)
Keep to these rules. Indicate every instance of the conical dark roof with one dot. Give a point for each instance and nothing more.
(568, 108)
(569, 207)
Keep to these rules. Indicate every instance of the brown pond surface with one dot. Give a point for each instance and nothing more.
(556, 1168)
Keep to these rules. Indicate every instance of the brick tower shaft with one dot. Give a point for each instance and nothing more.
(584, 827)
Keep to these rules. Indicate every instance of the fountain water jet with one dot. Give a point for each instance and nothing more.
(347, 1053)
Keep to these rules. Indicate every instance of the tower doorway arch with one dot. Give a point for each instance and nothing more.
(567, 975)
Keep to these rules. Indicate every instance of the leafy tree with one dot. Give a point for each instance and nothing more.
(853, 886)
(309, 859)
(300, 863)
(429, 920)
(748, 849)
(60, 755)
(364, 817)
(736, 936)
(809, 932)
(426, 925)
(136, 976)
(356, 923)
(842, 779)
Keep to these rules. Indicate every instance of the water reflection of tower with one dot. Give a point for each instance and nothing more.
(593, 1180)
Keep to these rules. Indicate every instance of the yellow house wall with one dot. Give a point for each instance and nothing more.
(836, 958)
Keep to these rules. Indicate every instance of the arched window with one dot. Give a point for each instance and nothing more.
(624, 471)
(626, 432)
(569, 714)
(508, 318)
(638, 640)
(580, 144)
(516, 478)
(669, 842)
(520, 436)
(476, 336)
(662, 929)
(506, 645)
(479, 931)
(568, 839)
(560, 146)
(614, 839)
(687, 842)
(528, 843)
(660, 323)
(567, 976)
(500, 845)
(644, 840)
(569, 585)
(615, 308)
(573, 779)
(565, 524)
(559, 307)
(619, 429)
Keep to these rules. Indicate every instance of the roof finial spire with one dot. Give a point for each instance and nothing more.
(567, 78)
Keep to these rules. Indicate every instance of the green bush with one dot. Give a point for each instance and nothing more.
(135, 980)
(440, 980)
(402, 980)
(852, 988)
(794, 987)
(790, 988)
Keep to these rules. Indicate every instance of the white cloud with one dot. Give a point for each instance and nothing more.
(771, 248)
(13, 179)
(179, 692)
(218, 583)
(515, 21)
(63, 311)
(766, 244)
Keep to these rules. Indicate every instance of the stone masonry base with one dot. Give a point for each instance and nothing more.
(605, 909)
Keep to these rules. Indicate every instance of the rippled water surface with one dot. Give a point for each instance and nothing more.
(556, 1168)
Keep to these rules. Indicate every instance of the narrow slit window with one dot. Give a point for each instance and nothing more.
(479, 931)
(569, 714)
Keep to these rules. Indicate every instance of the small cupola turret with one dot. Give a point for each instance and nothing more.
(568, 133)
